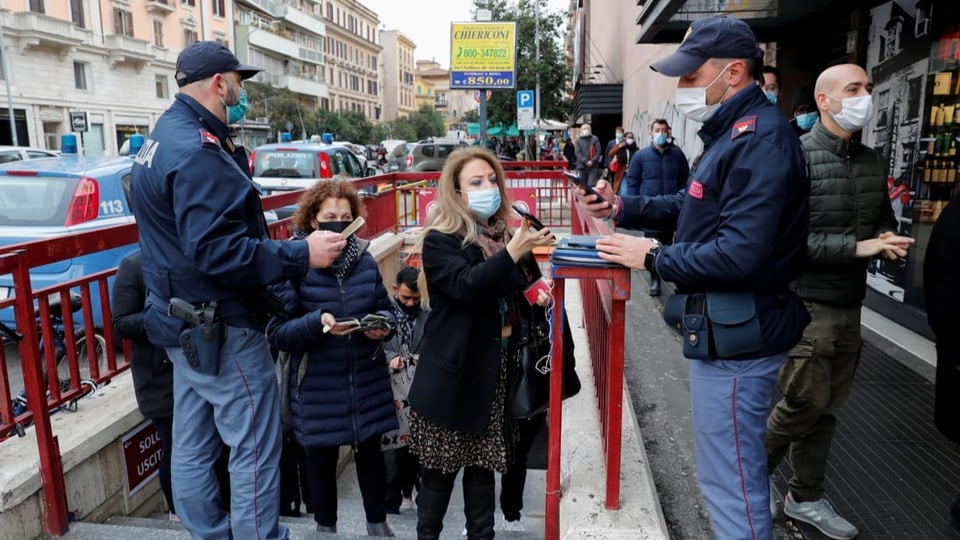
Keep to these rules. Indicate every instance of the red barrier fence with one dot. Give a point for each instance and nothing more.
(605, 292)
(391, 205)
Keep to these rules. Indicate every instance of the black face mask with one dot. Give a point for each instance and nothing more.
(412, 311)
(333, 226)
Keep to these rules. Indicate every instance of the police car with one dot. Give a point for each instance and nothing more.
(42, 198)
(290, 166)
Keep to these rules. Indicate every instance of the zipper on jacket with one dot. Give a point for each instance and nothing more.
(350, 364)
(856, 196)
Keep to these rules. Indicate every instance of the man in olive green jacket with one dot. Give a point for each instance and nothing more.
(851, 221)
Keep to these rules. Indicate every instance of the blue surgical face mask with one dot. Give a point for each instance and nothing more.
(239, 110)
(660, 139)
(806, 121)
(770, 96)
(484, 202)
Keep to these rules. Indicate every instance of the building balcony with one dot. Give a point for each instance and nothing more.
(34, 30)
(127, 50)
(267, 39)
(296, 17)
(161, 7)
(307, 87)
(275, 9)
(310, 55)
(266, 77)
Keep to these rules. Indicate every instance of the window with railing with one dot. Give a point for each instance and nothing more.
(219, 8)
(122, 22)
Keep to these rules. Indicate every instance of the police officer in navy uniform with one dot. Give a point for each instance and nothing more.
(741, 229)
(204, 239)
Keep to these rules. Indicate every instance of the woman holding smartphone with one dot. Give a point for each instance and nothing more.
(339, 389)
(474, 271)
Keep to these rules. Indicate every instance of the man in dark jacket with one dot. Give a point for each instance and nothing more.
(152, 373)
(658, 169)
(850, 222)
(204, 240)
(741, 231)
(941, 285)
(589, 156)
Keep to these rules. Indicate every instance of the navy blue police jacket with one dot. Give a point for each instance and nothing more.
(742, 220)
(201, 225)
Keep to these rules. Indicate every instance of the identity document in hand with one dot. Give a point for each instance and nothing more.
(368, 322)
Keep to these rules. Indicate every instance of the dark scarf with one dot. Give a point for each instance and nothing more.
(493, 236)
(347, 259)
(405, 326)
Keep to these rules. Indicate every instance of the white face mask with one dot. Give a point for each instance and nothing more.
(854, 113)
(692, 102)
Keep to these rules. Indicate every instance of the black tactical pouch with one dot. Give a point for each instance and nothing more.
(688, 314)
(201, 345)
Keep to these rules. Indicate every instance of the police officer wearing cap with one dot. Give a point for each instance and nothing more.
(204, 240)
(741, 238)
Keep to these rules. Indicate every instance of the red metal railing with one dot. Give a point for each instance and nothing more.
(605, 292)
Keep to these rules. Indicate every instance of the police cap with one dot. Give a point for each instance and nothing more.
(204, 59)
(713, 37)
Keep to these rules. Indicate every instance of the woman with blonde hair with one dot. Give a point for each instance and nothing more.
(474, 271)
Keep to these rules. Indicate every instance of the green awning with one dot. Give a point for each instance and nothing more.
(473, 129)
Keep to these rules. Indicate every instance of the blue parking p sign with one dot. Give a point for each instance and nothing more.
(524, 99)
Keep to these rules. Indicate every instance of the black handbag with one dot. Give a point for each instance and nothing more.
(530, 388)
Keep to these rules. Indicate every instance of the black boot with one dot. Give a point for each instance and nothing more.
(431, 507)
(479, 503)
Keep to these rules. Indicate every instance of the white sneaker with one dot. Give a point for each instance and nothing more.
(407, 504)
(515, 526)
(464, 533)
(821, 515)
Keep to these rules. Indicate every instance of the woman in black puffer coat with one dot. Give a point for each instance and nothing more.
(339, 386)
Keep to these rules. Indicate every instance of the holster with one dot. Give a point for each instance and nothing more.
(715, 324)
(201, 346)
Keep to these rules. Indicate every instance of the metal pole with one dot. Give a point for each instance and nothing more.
(536, 101)
(6, 80)
(482, 95)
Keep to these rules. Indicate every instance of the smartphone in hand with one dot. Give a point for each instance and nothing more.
(534, 222)
(580, 182)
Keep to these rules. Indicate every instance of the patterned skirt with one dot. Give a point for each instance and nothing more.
(448, 450)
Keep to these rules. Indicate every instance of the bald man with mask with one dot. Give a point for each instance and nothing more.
(851, 222)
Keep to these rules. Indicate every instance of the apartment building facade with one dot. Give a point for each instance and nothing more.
(351, 58)
(452, 104)
(286, 39)
(397, 67)
(111, 62)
